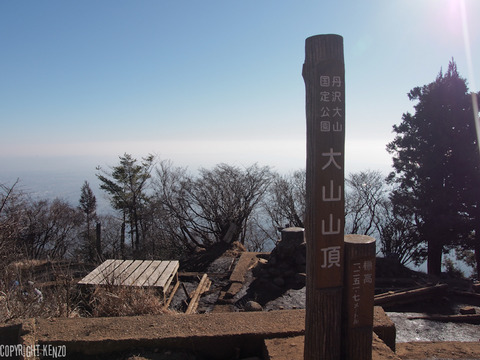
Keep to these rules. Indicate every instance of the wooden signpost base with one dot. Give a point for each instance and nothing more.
(358, 294)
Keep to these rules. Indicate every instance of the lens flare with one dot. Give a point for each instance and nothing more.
(475, 115)
(468, 55)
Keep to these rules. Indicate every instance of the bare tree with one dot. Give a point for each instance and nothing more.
(285, 203)
(399, 236)
(369, 211)
(213, 207)
(169, 204)
(12, 204)
(366, 198)
(111, 236)
(51, 229)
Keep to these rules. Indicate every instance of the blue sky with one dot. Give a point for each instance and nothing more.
(203, 82)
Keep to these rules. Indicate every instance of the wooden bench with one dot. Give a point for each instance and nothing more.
(140, 273)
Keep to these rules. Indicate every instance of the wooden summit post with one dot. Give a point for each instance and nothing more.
(324, 75)
(358, 297)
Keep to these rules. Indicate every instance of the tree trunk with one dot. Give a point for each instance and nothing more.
(137, 231)
(477, 245)
(434, 260)
(98, 241)
(122, 240)
(131, 231)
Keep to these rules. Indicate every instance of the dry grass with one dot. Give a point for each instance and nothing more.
(66, 300)
(59, 295)
(111, 300)
(26, 301)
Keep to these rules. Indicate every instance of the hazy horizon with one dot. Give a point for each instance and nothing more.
(62, 176)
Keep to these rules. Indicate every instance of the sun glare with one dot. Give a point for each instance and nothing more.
(471, 75)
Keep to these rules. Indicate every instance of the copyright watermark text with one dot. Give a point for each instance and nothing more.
(28, 351)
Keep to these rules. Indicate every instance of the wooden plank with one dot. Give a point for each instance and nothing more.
(409, 296)
(170, 279)
(246, 261)
(197, 275)
(470, 318)
(170, 298)
(93, 274)
(100, 272)
(133, 273)
(201, 288)
(185, 291)
(161, 270)
(135, 270)
(157, 272)
(116, 277)
(166, 278)
(106, 275)
(467, 294)
(152, 267)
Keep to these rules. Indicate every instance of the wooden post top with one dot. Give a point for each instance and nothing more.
(358, 239)
(293, 229)
(323, 47)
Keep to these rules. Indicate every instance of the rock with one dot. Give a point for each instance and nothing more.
(468, 310)
(274, 271)
(279, 281)
(300, 280)
(289, 272)
(285, 268)
(300, 258)
(301, 268)
(253, 306)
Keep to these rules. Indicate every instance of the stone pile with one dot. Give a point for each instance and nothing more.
(285, 267)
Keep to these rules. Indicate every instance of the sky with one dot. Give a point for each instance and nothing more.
(204, 82)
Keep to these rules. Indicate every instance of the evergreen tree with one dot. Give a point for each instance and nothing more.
(88, 207)
(127, 184)
(434, 154)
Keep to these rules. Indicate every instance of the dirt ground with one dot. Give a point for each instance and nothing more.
(110, 330)
(416, 339)
(439, 350)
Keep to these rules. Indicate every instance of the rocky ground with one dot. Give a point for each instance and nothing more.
(244, 281)
(266, 284)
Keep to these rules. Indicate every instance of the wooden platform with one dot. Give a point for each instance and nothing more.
(144, 273)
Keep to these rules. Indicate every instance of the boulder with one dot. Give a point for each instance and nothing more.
(253, 306)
